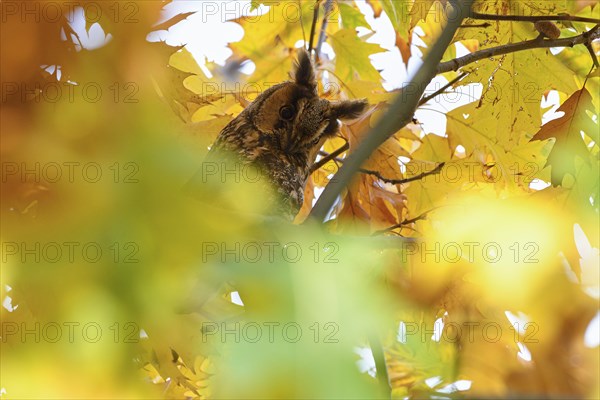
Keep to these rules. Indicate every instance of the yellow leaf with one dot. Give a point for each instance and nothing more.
(352, 56)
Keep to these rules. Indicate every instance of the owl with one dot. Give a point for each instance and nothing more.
(280, 133)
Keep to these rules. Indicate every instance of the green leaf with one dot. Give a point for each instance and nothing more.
(351, 16)
(397, 11)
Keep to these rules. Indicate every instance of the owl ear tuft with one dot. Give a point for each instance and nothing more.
(349, 109)
(303, 73)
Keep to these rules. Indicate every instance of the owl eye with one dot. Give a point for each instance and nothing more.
(286, 112)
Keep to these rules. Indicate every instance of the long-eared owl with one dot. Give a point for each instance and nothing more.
(280, 133)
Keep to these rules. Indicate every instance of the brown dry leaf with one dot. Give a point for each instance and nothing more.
(385, 158)
(404, 47)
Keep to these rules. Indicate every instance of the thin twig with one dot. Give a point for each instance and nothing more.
(328, 7)
(392, 181)
(592, 54)
(425, 99)
(69, 31)
(314, 25)
(454, 65)
(328, 157)
(482, 25)
(566, 17)
(401, 224)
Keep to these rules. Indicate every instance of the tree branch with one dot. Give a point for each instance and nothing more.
(398, 115)
(592, 54)
(328, 157)
(422, 175)
(483, 25)
(425, 99)
(401, 224)
(566, 17)
(328, 6)
(454, 65)
(313, 26)
(393, 181)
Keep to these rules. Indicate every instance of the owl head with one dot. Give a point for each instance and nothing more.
(292, 115)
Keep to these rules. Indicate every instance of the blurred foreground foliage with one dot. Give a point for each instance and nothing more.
(155, 314)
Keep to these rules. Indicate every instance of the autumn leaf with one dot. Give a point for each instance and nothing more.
(364, 89)
(477, 278)
(396, 11)
(352, 56)
(421, 9)
(351, 16)
(404, 47)
(567, 132)
(376, 6)
(512, 87)
(283, 23)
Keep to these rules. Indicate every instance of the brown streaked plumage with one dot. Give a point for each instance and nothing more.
(281, 132)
